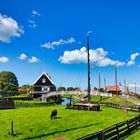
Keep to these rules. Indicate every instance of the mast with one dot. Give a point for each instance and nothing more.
(105, 84)
(135, 88)
(99, 83)
(125, 90)
(116, 80)
(88, 57)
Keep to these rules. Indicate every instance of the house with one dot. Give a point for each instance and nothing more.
(113, 90)
(43, 85)
(25, 89)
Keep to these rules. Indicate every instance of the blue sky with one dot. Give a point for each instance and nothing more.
(50, 36)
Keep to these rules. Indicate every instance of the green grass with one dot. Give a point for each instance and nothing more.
(98, 98)
(35, 123)
(30, 101)
(118, 100)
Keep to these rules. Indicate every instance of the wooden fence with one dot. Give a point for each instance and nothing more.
(7, 104)
(117, 106)
(115, 132)
(26, 104)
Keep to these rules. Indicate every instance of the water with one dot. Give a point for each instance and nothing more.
(65, 101)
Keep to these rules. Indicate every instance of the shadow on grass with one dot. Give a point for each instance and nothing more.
(55, 132)
(58, 117)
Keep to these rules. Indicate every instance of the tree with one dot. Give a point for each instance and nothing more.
(95, 88)
(27, 86)
(70, 89)
(8, 81)
(77, 89)
(61, 89)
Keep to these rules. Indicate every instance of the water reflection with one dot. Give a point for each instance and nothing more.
(66, 101)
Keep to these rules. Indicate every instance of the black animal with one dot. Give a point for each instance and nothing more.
(53, 114)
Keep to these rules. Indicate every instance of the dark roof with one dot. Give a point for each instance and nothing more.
(48, 80)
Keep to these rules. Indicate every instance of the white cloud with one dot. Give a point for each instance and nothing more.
(4, 59)
(31, 21)
(132, 59)
(9, 28)
(35, 13)
(51, 45)
(23, 56)
(32, 24)
(33, 60)
(98, 57)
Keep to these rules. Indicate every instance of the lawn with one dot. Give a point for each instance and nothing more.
(118, 100)
(35, 123)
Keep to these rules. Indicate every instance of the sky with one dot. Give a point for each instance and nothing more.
(50, 36)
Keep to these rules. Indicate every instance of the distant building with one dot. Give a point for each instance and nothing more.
(113, 89)
(43, 85)
(25, 89)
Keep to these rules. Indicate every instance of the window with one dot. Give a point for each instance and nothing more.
(45, 88)
(43, 80)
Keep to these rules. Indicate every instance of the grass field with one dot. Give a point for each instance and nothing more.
(35, 123)
(117, 100)
(114, 99)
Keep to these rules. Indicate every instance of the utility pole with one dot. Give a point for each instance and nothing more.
(88, 57)
(99, 83)
(135, 88)
(105, 84)
(125, 90)
(116, 78)
(100, 87)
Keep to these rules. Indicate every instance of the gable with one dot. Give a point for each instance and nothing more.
(44, 80)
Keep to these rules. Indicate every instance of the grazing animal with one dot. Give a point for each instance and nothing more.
(53, 114)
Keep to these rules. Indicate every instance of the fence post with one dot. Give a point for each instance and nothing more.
(12, 128)
(128, 127)
(102, 135)
(117, 131)
(136, 123)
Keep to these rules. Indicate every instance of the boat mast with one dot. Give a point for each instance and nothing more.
(116, 81)
(88, 55)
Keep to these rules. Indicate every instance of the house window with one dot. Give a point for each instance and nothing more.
(43, 80)
(45, 89)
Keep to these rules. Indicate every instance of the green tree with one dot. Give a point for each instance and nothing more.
(70, 89)
(8, 81)
(61, 89)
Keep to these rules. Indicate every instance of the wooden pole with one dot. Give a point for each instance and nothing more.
(88, 57)
(125, 90)
(12, 128)
(105, 84)
(135, 88)
(99, 83)
(116, 82)
(100, 87)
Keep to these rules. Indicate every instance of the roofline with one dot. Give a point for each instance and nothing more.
(46, 76)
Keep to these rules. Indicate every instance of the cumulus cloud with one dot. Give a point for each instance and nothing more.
(23, 56)
(132, 59)
(98, 57)
(52, 45)
(33, 59)
(35, 13)
(9, 28)
(4, 59)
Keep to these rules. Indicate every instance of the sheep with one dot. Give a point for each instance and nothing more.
(53, 114)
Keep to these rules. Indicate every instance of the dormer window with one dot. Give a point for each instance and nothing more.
(43, 80)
